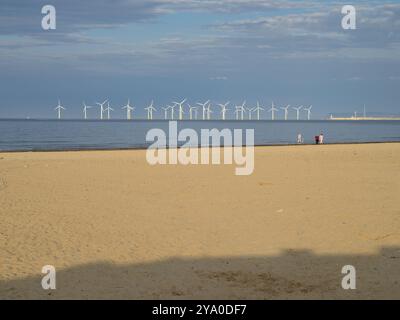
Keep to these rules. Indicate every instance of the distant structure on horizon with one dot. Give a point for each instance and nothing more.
(58, 109)
(355, 117)
(191, 112)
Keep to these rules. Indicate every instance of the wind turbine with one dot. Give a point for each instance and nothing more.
(59, 108)
(308, 112)
(102, 108)
(166, 112)
(286, 111)
(298, 111)
(240, 109)
(237, 110)
(224, 109)
(172, 111)
(209, 111)
(129, 110)
(181, 112)
(272, 110)
(204, 106)
(85, 107)
(250, 110)
(258, 109)
(191, 109)
(150, 110)
(108, 109)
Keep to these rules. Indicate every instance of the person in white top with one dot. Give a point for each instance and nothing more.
(299, 138)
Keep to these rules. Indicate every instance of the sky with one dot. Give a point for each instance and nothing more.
(285, 51)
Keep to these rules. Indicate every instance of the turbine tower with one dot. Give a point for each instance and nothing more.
(224, 109)
(308, 112)
(240, 109)
(192, 111)
(59, 108)
(204, 106)
(166, 112)
(237, 112)
(102, 108)
(209, 111)
(108, 109)
(298, 111)
(85, 108)
(250, 110)
(272, 110)
(172, 111)
(181, 112)
(258, 109)
(129, 110)
(150, 110)
(286, 111)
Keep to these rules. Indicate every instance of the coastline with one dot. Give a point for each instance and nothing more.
(145, 147)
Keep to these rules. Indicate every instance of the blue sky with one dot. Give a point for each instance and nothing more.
(289, 52)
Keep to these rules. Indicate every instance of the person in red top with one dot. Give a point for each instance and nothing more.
(316, 139)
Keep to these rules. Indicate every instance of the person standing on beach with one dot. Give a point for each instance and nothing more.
(321, 138)
(299, 139)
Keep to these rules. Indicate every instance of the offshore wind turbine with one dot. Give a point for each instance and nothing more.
(240, 109)
(298, 111)
(150, 110)
(237, 112)
(192, 110)
(181, 112)
(250, 110)
(286, 111)
(102, 108)
(108, 109)
(272, 110)
(204, 106)
(172, 111)
(224, 109)
(85, 108)
(166, 112)
(308, 112)
(59, 108)
(209, 111)
(129, 110)
(258, 109)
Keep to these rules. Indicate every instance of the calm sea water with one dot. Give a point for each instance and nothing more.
(29, 135)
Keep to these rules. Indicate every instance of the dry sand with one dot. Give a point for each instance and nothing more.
(115, 227)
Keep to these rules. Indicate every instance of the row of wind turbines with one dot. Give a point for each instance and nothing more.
(205, 108)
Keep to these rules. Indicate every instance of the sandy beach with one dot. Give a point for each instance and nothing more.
(115, 227)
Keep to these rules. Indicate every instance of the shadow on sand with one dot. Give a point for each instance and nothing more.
(292, 275)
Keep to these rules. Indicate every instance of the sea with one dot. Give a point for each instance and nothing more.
(49, 135)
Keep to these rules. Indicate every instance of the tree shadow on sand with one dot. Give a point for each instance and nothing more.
(291, 275)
